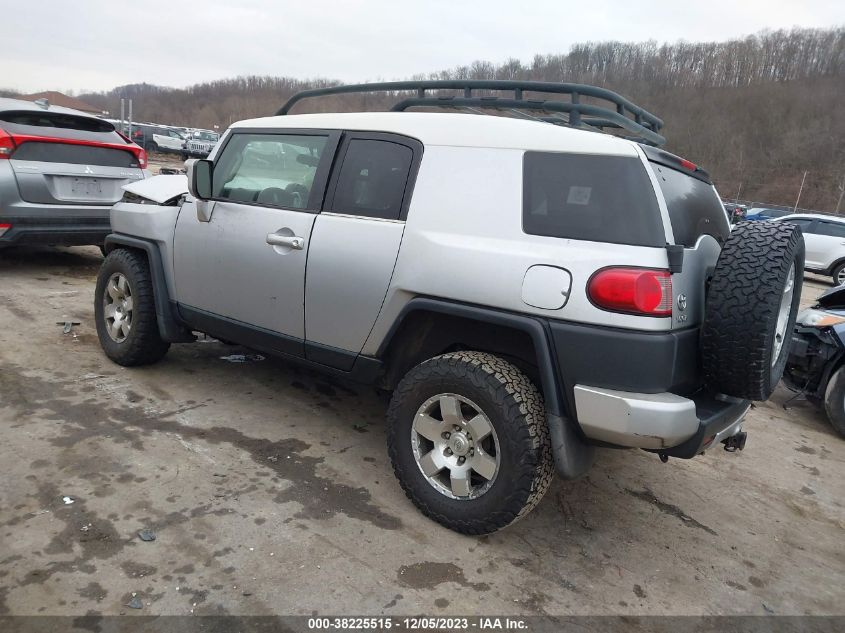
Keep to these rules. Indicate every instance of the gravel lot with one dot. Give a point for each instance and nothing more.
(269, 491)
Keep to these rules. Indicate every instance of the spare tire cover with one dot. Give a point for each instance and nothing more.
(751, 306)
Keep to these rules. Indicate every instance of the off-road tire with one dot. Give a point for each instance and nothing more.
(834, 401)
(743, 302)
(143, 345)
(515, 409)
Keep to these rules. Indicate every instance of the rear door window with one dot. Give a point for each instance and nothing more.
(833, 229)
(694, 207)
(373, 178)
(806, 224)
(594, 198)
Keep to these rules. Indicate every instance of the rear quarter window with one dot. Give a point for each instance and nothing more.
(593, 198)
(694, 207)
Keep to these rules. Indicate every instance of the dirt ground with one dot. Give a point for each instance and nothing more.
(270, 492)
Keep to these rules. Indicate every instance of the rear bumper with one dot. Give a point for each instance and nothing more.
(664, 422)
(67, 231)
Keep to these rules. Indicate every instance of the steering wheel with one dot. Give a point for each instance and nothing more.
(276, 196)
(299, 193)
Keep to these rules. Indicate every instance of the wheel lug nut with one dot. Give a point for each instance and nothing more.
(448, 451)
(461, 460)
(446, 435)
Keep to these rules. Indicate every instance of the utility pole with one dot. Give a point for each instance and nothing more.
(800, 189)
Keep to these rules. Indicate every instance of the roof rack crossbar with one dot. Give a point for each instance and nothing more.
(624, 114)
(606, 118)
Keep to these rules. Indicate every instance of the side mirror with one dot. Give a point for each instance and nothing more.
(199, 178)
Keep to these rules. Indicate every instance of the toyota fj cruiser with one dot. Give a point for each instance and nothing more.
(526, 290)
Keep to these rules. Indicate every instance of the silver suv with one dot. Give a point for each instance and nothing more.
(60, 172)
(527, 291)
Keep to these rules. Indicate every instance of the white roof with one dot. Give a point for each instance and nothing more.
(813, 216)
(463, 130)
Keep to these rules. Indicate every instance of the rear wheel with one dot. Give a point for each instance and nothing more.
(124, 310)
(839, 274)
(468, 441)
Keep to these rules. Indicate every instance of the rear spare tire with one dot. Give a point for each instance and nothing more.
(751, 306)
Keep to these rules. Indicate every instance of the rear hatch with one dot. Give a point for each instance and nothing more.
(700, 226)
(67, 159)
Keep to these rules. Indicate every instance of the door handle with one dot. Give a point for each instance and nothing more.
(291, 241)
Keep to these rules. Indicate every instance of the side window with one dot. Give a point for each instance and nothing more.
(372, 179)
(269, 169)
(833, 229)
(593, 198)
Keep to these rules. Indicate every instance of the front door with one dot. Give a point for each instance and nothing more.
(245, 267)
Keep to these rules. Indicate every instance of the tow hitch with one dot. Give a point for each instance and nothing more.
(735, 442)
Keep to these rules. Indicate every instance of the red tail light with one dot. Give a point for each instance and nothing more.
(4, 228)
(7, 144)
(633, 290)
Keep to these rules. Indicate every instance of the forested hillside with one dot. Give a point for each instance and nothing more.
(756, 112)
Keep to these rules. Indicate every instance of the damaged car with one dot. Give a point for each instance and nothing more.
(816, 365)
(526, 290)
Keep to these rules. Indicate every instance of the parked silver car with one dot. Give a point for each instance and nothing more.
(199, 144)
(61, 170)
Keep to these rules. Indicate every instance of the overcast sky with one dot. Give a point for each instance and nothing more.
(100, 44)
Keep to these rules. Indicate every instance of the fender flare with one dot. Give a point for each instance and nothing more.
(572, 454)
(170, 326)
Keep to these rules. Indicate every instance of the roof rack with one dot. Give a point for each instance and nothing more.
(618, 113)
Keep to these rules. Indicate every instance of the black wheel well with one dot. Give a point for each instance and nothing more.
(110, 246)
(423, 334)
(835, 265)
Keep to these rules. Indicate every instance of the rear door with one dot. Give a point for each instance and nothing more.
(245, 268)
(815, 244)
(829, 244)
(355, 243)
(700, 225)
(58, 161)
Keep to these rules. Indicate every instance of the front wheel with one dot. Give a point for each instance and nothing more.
(468, 441)
(124, 309)
(834, 401)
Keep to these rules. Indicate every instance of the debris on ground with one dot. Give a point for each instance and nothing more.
(68, 500)
(170, 171)
(67, 325)
(146, 535)
(242, 358)
(135, 602)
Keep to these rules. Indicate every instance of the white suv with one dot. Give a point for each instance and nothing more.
(526, 290)
(824, 236)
